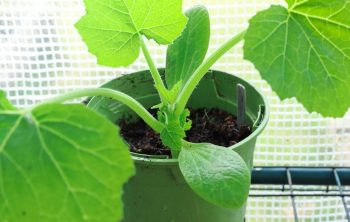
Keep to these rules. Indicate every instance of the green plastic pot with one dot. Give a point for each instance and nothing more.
(158, 191)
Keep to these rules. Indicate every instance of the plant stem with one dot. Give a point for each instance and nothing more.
(113, 94)
(193, 81)
(154, 71)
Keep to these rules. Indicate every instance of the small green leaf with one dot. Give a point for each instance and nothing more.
(185, 122)
(61, 163)
(175, 127)
(5, 103)
(112, 29)
(217, 174)
(189, 50)
(173, 133)
(304, 52)
(172, 136)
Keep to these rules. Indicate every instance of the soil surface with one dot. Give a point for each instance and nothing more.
(212, 126)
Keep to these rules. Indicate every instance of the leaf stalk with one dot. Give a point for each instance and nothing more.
(154, 71)
(194, 80)
(113, 94)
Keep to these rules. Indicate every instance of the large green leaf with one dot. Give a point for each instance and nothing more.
(189, 50)
(217, 174)
(111, 29)
(304, 52)
(61, 163)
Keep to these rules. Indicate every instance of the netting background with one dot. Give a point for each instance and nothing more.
(42, 55)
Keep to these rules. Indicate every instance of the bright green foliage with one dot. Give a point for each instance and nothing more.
(5, 103)
(189, 50)
(175, 125)
(61, 163)
(184, 56)
(186, 123)
(112, 29)
(169, 95)
(175, 129)
(217, 174)
(304, 52)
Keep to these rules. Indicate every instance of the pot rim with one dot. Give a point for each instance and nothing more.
(151, 160)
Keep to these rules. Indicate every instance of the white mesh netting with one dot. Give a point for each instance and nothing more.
(41, 55)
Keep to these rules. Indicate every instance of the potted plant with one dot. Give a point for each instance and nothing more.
(67, 162)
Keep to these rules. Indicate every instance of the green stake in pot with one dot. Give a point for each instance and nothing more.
(241, 104)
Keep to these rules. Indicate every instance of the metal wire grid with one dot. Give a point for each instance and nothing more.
(305, 183)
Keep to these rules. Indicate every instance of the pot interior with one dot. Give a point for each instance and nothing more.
(216, 90)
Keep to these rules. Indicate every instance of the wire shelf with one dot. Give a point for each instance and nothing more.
(295, 182)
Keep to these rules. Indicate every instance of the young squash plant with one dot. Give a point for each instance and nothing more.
(64, 162)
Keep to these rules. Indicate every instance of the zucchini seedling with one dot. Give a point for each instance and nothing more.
(64, 162)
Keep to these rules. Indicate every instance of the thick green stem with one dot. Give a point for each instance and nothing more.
(191, 84)
(113, 94)
(154, 71)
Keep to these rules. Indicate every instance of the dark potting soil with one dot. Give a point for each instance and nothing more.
(212, 126)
